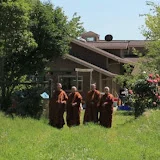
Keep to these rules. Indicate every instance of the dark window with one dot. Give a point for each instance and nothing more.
(68, 81)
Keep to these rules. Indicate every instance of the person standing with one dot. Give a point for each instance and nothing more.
(106, 108)
(73, 108)
(123, 94)
(92, 105)
(57, 107)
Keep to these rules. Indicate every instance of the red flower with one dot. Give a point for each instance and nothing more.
(154, 103)
(150, 80)
(150, 75)
(155, 81)
(130, 92)
(156, 94)
(159, 97)
(158, 79)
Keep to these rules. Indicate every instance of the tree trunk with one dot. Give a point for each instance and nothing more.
(3, 105)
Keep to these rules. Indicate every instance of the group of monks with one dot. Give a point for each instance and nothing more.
(95, 104)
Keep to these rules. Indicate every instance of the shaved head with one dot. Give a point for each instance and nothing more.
(73, 89)
(106, 90)
(59, 86)
(93, 86)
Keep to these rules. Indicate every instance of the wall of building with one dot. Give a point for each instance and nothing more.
(114, 67)
(109, 82)
(67, 67)
(88, 56)
(116, 52)
(96, 59)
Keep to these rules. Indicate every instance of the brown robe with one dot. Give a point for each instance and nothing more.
(57, 108)
(73, 111)
(106, 110)
(92, 106)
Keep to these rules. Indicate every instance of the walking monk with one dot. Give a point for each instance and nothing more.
(106, 108)
(73, 108)
(57, 107)
(92, 105)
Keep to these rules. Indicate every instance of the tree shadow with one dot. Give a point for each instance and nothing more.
(130, 119)
(125, 113)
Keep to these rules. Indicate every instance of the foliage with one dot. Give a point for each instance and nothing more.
(31, 139)
(145, 94)
(16, 41)
(127, 79)
(152, 33)
(52, 32)
(29, 103)
(20, 86)
(144, 91)
(31, 34)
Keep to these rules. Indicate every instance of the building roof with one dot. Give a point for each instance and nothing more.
(108, 45)
(101, 52)
(118, 44)
(90, 33)
(132, 59)
(138, 43)
(89, 65)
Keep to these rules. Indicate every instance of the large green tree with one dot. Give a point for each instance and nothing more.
(151, 31)
(52, 32)
(31, 34)
(148, 63)
(145, 81)
(16, 40)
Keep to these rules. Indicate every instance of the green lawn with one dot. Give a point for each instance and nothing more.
(128, 139)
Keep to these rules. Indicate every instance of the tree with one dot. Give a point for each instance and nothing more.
(143, 86)
(31, 34)
(16, 40)
(52, 32)
(152, 33)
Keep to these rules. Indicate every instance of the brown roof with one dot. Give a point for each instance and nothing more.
(108, 45)
(89, 65)
(90, 33)
(137, 43)
(134, 59)
(101, 52)
(117, 44)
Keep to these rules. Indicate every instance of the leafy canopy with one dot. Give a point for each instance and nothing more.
(31, 34)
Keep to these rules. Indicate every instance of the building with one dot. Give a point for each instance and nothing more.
(105, 58)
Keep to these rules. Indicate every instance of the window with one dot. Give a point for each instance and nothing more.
(90, 38)
(35, 78)
(68, 81)
(126, 52)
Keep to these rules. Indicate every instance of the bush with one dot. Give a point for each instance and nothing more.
(145, 94)
(29, 103)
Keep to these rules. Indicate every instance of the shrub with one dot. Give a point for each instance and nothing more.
(29, 103)
(145, 94)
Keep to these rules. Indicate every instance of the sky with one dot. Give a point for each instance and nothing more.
(120, 18)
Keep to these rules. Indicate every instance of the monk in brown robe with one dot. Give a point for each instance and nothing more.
(57, 107)
(73, 108)
(106, 108)
(92, 105)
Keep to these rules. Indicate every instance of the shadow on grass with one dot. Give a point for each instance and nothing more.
(124, 113)
(127, 118)
(118, 125)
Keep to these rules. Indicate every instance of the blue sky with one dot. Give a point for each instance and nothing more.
(117, 17)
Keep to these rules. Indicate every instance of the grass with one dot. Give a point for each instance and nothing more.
(128, 139)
